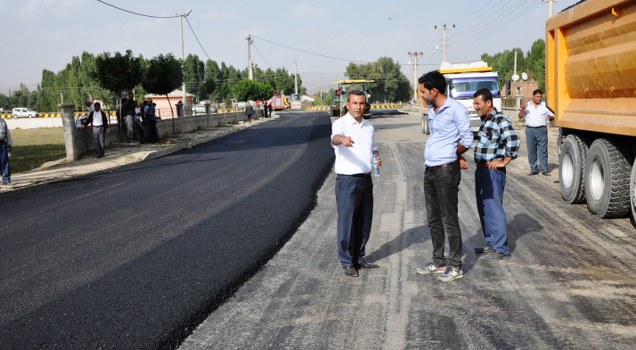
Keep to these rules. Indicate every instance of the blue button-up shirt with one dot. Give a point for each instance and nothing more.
(449, 126)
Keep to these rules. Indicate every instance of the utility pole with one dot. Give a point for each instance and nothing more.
(444, 41)
(550, 6)
(296, 78)
(183, 52)
(250, 75)
(414, 55)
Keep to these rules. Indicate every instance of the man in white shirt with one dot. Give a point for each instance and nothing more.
(537, 116)
(352, 138)
(99, 122)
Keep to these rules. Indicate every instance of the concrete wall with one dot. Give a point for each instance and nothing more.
(84, 141)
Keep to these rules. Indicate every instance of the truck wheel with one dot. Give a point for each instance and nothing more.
(632, 191)
(572, 169)
(606, 180)
(425, 128)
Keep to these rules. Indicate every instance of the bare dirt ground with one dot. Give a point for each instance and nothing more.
(570, 283)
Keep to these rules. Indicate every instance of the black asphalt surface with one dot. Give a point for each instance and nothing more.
(137, 257)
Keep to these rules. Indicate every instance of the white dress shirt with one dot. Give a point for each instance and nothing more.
(355, 159)
(537, 116)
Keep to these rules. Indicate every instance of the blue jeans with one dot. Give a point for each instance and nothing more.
(354, 198)
(537, 143)
(489, 188)
(4, 162)
(440, 193)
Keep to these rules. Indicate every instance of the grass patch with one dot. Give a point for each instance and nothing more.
(34, 147)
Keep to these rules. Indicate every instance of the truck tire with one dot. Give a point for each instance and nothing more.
(607, 180)
(426, 130)
(572, 169)
(632, 191)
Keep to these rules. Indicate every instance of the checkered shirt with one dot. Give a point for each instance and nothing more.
(496, 139)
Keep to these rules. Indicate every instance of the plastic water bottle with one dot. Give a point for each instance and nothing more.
(374, 165)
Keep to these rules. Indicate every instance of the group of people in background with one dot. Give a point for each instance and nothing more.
(139, 120)
(495, 144)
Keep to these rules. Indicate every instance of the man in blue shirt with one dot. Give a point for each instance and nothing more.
(450, 136)
(497, 145)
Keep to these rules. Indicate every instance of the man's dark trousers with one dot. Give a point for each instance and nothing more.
(440, 192)
(354, 198)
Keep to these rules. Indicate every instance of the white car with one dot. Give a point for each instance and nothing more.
(21, 112)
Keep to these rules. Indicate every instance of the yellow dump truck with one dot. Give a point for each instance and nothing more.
(591, 85)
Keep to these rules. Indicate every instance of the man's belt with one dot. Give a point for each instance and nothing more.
(364, 175)
(432, 169)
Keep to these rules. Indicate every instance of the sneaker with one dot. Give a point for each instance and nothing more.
(533, 172)
(6, 183)
(545, 173)
(430, 269)
(452, 273)
(487, 249)
(494, 255)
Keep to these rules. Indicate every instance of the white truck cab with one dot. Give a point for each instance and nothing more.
(462, 81)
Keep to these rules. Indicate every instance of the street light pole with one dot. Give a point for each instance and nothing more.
(184, 101)
(250, 74)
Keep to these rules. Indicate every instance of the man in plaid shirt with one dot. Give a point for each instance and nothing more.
(497, 145)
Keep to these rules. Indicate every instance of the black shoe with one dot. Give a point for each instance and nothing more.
(545, 173)
(350, 271)
(484, 250)
(367, 265)
(533, 172)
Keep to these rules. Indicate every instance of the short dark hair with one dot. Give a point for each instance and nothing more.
(434, 80)
(485, 94)
(537, 91)
(97, 104)
(357, 93)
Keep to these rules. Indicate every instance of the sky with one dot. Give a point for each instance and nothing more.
(319, 37)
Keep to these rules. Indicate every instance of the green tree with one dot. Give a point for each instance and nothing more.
(533, 63)
(246, 90)
(390, 84)
(118, 73)
(163, 76)
(194, 76)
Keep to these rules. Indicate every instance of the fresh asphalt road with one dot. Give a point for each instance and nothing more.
(570, 283)
(136, 257)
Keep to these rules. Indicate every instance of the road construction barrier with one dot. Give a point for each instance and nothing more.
(373, 106)
(55, 115)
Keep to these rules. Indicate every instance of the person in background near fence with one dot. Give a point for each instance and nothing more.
(99, 123)
(5, 148)
(353, 141)
(450, 137)
(151, 120)
(128, 111)
(537, 115)
(497, 145)
(249, 110)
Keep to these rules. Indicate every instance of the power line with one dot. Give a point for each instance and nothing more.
(136, 13)
(309, 52)
(195, 36)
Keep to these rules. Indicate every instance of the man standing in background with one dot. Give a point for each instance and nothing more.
(5, 150)
(128, 110)
(537, 115)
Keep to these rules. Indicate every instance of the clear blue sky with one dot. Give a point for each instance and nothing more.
(46, 34)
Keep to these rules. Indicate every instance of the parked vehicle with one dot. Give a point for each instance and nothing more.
(339, 105)
(590, 84)
(23, 112)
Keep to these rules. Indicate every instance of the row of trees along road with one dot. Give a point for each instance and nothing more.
(532, 63)
(80, 79)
